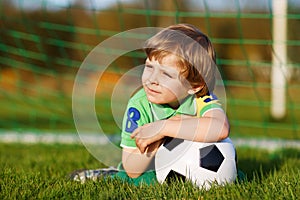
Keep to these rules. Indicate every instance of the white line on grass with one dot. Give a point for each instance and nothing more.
(73, 138)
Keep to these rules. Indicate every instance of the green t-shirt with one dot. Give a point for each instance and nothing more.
(140, 111)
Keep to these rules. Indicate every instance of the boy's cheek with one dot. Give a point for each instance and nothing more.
(145, 76)
(175, 87)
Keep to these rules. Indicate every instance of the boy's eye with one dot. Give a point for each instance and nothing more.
(149, 66)
(168, 75)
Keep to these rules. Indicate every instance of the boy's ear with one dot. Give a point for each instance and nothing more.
(195, 89)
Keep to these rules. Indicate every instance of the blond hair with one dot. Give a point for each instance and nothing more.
(196, 55)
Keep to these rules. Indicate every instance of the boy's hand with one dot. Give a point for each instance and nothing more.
(148, 134)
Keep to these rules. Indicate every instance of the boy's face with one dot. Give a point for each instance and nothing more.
(161, 81)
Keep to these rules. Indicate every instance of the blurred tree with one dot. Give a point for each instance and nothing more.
(39, 42)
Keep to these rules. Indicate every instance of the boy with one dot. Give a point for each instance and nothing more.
(176, 101)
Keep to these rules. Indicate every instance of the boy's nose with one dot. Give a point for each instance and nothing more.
(153, 79)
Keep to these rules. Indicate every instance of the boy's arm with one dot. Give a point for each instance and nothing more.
(135, 163)
(211, 127)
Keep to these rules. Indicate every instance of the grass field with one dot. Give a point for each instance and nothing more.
(39, 171)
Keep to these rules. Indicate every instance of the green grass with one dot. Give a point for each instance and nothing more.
(39, 171)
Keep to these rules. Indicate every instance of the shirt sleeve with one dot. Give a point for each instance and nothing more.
(207, 103)
(135, 116)
(130, 123)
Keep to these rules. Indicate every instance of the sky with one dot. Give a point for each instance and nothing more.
(196, 4)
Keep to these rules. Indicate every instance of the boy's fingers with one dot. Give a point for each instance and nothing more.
(135, 132)
(141, 145)
(132, 135)
(143, 149)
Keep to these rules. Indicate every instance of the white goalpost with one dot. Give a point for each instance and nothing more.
(279, 73)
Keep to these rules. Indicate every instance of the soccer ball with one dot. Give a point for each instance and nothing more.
(201, 163)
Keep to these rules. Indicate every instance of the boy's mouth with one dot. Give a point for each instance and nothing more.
(152, 90)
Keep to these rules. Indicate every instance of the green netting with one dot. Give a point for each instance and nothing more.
(42, 47)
